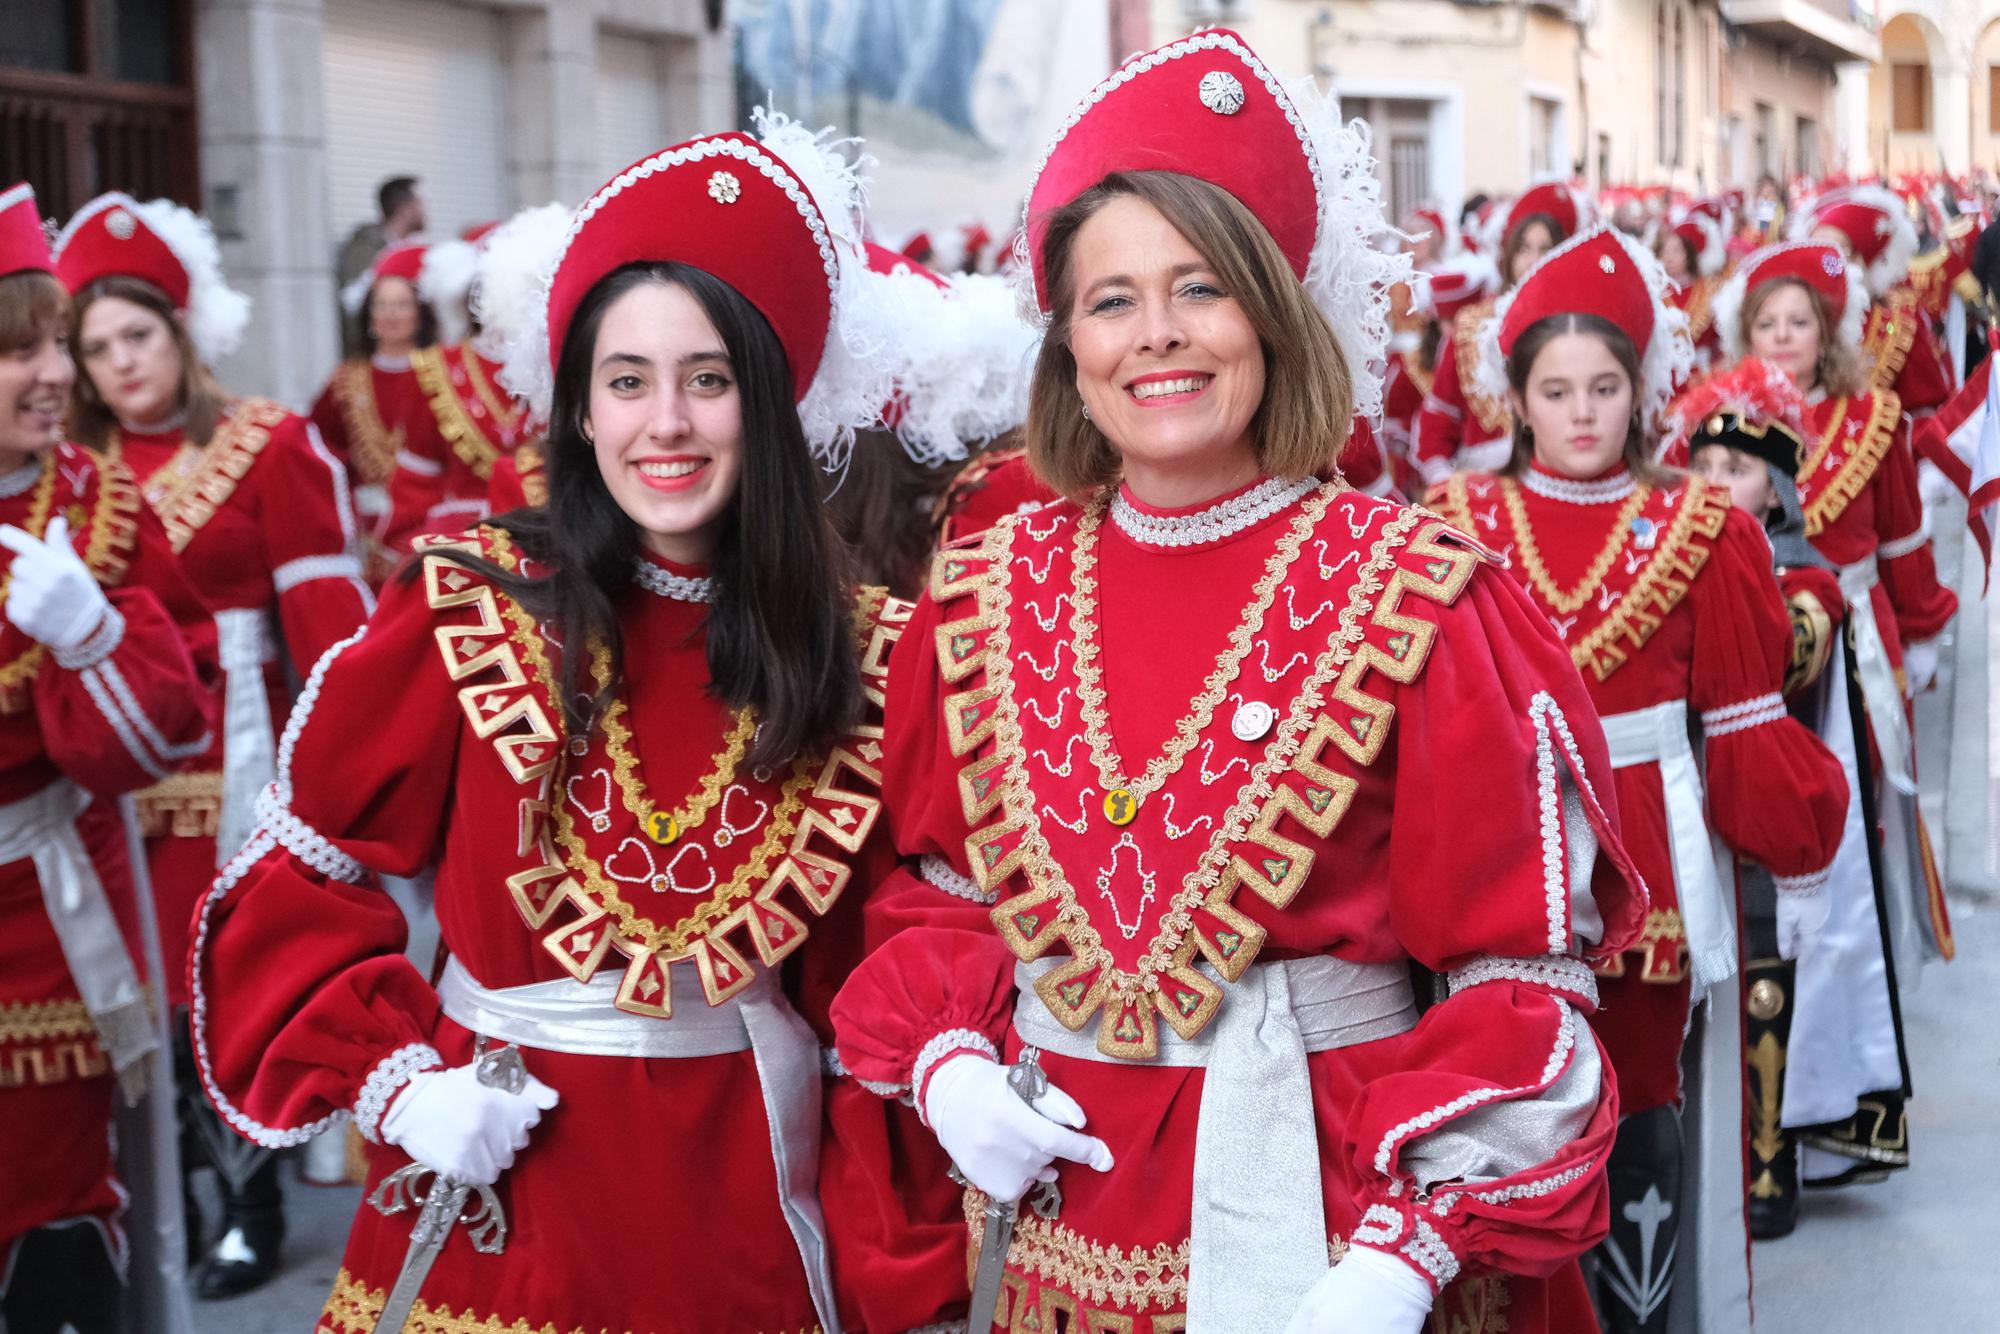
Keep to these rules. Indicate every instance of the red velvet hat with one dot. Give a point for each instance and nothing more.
(403, 260)
(1207, 106)
(1818, 264)
(24, 246)
(1554, 199)
(1453, 284)
(1876, 224)
(1600, 272)
(1702, 233)
(165, 245)
(1431, 218)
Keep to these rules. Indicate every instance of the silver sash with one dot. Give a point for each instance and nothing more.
(1879, 690)
(42, 829)
(581, 1019)
(1659, 735)
(1257, 1237)
(244, 643)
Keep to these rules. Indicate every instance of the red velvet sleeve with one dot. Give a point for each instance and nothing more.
(1909, 572)
(417, 484)
(310, 542)
(1484, 1141)
(1923, 384)
(303, 1004)
(1776, 794)
(331, 423)
(1441, 420)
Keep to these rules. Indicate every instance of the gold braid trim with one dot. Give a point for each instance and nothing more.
(1246, 848)
(226, 461)
(1413, 366)
(1493, 414)
(531, 466)
(1700, 306)
(455, 424)
(185, 805)
(1675, 562)
(112, 523)
(354, 1308)
(1451, 500)
(1858, 469)
(1891, 331)
(370, 444)
(37, 1021)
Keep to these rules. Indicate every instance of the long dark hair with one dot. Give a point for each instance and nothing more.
(1638, 450)
(777, 631)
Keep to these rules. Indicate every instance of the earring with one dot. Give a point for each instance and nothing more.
(1086, 412)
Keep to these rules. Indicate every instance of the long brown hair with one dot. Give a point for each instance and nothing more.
(201, 399)
(32, 303)
(1842, 370)
(1512, 246)
(1638, 451)
(1308, 406)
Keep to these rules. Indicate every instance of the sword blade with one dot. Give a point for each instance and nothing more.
(427, 1240)
(991, 1265)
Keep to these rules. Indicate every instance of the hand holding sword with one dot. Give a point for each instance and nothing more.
(1004, 1127)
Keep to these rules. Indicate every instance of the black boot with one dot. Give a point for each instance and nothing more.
(1635, 1263)
(1774, 1151)
(1875, 1141)
(245, 1257)
(62, 1279)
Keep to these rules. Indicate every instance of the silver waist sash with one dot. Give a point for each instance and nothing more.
(1257, 1237)
(42, 829)
(245, 642)
(1878, 676)
(579, 1018)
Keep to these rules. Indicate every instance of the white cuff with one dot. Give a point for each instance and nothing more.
(1555, 972)
(308, 568)
(386, 1080)
(1812, 882)
(952, 1040)
(1743, 716)
(418, 464)
(938, 874)
(100, 644)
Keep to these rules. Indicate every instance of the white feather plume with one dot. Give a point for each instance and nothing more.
(444, 282)
(1893, 264)
(1727, 306)
(510, 294)
(1669, 356)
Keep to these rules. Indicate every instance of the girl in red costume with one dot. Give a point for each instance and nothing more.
(1666, 600)
(639, 729)
(1145, 745)
(99, 695)
(259, 514)
(1800, 308)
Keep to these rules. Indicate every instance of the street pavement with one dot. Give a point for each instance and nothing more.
(1916, 1252)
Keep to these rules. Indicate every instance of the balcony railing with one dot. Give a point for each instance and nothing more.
(1824, 31)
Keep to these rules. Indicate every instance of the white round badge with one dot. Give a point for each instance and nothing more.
(1253, 720)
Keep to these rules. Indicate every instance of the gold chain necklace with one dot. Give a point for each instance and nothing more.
(664, 827)
(1531, 555)
(1123, 795)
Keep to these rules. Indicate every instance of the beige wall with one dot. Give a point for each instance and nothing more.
(1759, 72)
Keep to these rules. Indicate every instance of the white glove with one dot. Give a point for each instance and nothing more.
(1802, 918)
(1368, 1292)
(463, 1129)
(1001, 1144)
(52, 597)
(1920, 665)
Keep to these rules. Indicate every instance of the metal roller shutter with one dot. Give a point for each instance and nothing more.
(630, 120)
(415, 87)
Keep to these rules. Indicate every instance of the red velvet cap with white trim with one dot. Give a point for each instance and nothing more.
(1451, 285)
(1555, 200)
(1605, 273)
(165, 245)
(24, 246)
(1820, 265)
(1876, 225)
(1207, 106)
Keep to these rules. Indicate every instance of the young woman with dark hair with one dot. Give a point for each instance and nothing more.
(259, 514)
(1459, 427)
(106, 682)
(638, 729)
(1666, 600)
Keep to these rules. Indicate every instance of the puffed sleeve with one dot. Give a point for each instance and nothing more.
(304, 1007)
(1441, 420)
(1776, 794)
(133, 703)
(1923, 384)
(1484, 1139)
(940, 980)
(331, 422)
(310, 540)
(1909, 572)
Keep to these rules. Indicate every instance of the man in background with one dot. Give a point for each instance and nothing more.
(402, 210)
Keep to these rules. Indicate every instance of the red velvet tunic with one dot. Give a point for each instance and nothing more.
(369, 412)
(1403, 394)
(1685, 608)
(1695, 299)
(1419, 695)
(519, 479)
(261, 521)
(443, 476)
(110, 728)
(647, 1200)
(1455, 416)
(988, 488)
(1905, 354)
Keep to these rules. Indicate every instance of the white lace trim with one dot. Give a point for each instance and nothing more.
(93, 685)
(1443, 1204)
(938, 873)
(386, 1080)
(1544, 711)
(1555, 972)
(418, 464)
(167, 751)
(1743, 716)
(308, 568)
(1416, 1125)
(1903, 546)
(1574, 491)
(1213, 523)
(1430, 1254)
(1380, 1226)
(21, 480)
(939, 1047)
(1432, 403)
(667, 584)
(303, 841)
(99, 645)
(1812, 882)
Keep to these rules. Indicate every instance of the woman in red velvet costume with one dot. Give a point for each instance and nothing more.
(259, 514)
(99, 695)
(1666, 599)
(1460, 428)
(1442, 291)
(1800, 307)
(1144, 748)
(639, 729)
(1694, 252)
